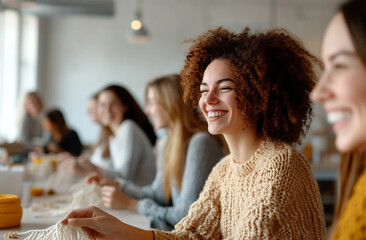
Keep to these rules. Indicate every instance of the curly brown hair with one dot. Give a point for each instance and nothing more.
(274, 75)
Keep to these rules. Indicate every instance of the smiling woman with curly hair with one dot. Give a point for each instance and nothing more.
(253, 88)
(273, 75)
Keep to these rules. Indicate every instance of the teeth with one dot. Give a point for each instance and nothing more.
(215, 114)
(333, 117)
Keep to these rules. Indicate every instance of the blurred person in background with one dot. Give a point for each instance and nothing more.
(100, 155)
(31, 130)
(92, 108)
(97, 158)
(62, 138)
(125, 149)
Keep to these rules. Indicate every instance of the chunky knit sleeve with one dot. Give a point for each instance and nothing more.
(203, 220)
(352, 224)
(288, 205)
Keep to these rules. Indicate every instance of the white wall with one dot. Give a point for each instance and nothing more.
(81, 54)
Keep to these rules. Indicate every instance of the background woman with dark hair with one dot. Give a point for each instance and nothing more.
(62, 138)
(125, 147)
(131, 139)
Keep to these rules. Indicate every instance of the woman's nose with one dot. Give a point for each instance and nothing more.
(321, 91)
(109, 108)
(211, 97)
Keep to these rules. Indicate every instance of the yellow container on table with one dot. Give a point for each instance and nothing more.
(10, 211)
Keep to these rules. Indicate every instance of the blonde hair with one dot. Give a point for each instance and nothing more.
(182, 124)
(103, 141)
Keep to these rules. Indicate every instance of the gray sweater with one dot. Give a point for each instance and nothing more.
(31, 130)
(203, 152)
(132, 155)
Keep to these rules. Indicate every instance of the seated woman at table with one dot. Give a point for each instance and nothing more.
(254, 89)
(62, 138)
(186, 157)
(100, 157)
(93, 108)
(31, 130)
(127, 140)
(132, 136)
(31, 133)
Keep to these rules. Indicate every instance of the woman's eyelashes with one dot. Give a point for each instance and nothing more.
(225, 89)
(221, 89)
(339, 66)
(203, 91)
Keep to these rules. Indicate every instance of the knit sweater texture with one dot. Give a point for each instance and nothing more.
(352, 224)
(273, 195)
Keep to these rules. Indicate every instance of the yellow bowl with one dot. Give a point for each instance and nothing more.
(8, 198)
(8, 220)
(36, 191)
(10, 211)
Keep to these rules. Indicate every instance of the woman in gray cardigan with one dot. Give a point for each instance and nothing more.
(185, 159)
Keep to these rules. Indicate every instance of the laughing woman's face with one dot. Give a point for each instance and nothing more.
(342, 87)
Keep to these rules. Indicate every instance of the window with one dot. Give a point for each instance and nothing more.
(18, 67)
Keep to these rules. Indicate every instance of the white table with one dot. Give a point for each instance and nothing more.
(29, 222)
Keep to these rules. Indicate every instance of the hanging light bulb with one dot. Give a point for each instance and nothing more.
(138, 33)
(136, 25)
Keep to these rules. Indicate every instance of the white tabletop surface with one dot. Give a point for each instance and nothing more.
(30, 222)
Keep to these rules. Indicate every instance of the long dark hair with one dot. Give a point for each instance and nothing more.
(134, 111)
(57, 118)
(354, 13)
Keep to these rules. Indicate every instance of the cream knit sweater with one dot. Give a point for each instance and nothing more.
(271, 196)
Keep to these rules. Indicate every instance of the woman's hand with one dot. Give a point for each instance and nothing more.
(71, 164)
(53, 148)
(113, 198)
(101, 180)
(87, 164)
(98, 224)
